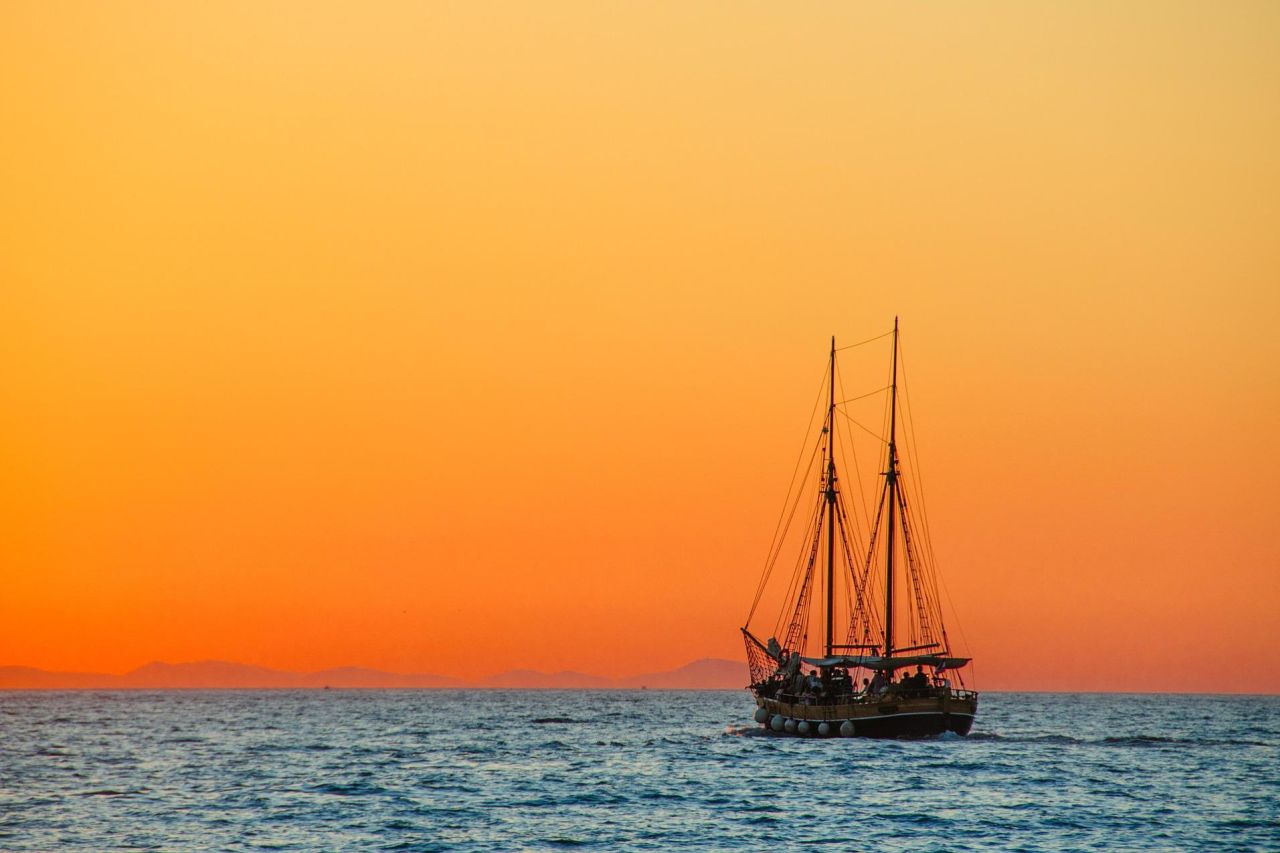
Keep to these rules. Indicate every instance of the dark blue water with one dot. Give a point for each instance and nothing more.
(490, 770)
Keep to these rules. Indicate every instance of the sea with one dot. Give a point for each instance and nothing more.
(486, 770)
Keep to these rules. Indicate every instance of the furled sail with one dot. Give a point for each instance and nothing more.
(939, 662)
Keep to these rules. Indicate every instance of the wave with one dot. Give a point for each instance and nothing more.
(1137, 740)
(349, 789)
(1144, 740)
(424, 772)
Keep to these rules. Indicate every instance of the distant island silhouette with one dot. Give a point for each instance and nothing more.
(704, 674)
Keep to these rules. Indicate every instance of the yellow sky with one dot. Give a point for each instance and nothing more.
(423, 335)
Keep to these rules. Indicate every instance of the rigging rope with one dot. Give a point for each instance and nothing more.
(864, 613)
(846, 441)
(798, 630)
(868, 568)
(868, 430)
(777, 549)
(937, 579)
(860, 396)
(775, 546)
(799, 573)
(867, 341)
(923, 622)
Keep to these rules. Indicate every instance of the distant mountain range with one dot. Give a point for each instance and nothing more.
(705, 674)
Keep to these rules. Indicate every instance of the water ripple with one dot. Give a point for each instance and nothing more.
(542, 770)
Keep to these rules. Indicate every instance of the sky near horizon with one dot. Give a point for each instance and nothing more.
(460, 337)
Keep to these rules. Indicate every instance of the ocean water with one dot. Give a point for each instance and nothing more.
(646, 770)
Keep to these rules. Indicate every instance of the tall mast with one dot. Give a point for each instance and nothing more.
(831, 500)
(893, 498)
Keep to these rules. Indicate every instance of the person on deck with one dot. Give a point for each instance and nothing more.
(879, 683)
(798, 682)
(838, 683)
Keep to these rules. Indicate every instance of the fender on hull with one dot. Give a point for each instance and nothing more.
(917, 717)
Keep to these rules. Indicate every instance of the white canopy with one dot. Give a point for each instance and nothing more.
(938, 662)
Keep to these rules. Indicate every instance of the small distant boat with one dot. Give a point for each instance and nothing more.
(872, 665)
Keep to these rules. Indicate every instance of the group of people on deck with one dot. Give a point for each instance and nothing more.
(833, 684)
(883, 683)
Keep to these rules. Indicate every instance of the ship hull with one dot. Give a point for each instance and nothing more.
(918, 724)
(922, 716)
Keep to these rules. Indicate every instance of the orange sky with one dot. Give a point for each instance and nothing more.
(455, 337)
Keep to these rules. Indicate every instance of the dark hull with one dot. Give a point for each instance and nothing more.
(917, 715)
(927, 724)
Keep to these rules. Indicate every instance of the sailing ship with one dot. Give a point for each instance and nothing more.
(877, 661)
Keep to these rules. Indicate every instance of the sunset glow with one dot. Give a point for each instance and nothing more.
(462, 337)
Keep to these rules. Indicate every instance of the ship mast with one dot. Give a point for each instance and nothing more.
(892, 484)
(831, 501)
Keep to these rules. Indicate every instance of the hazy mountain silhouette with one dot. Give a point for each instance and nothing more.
(208, 673)
(704, 674)
(708, 673)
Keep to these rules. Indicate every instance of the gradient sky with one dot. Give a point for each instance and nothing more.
(455, 337)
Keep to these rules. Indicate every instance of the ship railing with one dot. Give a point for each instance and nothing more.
(895, 693)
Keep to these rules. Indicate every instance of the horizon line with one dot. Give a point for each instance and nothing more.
(615, 689)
